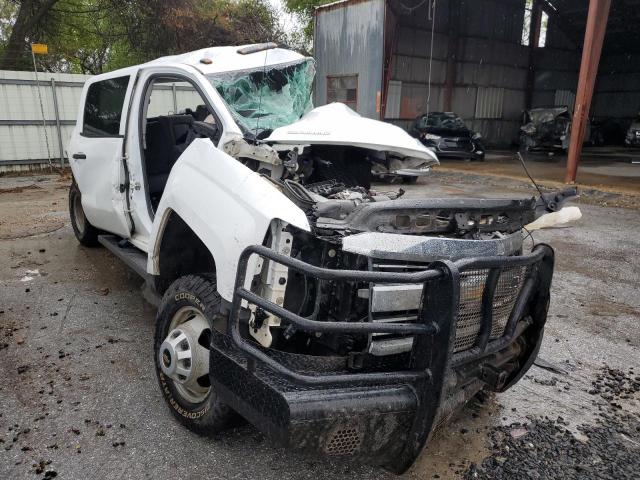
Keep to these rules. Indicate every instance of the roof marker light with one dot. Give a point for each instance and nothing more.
(258, 47)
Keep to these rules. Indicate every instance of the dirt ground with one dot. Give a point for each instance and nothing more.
(79, 399)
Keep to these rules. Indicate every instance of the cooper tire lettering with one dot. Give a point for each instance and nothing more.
(210, 415)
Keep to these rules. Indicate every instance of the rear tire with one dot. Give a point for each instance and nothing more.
(86, 233)
(192, 298)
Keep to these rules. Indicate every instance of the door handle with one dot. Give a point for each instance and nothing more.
(79, 156)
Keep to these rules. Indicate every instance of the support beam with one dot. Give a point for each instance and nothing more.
(452, 53)
(534, 40)
(566, 24)
(593, 40)
(390, 41)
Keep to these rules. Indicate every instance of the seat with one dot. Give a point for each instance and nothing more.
(165, 137)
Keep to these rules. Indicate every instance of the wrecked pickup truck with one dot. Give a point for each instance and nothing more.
(337, 319)
(545, 129)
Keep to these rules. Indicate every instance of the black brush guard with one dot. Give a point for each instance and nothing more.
(381, 417)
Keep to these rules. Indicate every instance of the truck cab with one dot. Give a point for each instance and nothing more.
(336, 318)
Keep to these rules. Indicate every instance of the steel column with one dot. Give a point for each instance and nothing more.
(390, 39)
(534, 39)
(452, 53)
(593, 40)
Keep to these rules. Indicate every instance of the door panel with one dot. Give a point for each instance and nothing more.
(160, 92)
(99, 176)
(96, 153)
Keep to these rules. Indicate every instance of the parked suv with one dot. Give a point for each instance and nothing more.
(448, 136)
(335, 318)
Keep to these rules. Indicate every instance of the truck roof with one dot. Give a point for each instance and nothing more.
(214, 60)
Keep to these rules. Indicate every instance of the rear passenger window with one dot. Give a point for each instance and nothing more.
(103, 107)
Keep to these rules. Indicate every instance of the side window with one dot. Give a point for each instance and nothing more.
(173, 114)
(172, 107)
(343, 89)
(103, 107)
(177, 98)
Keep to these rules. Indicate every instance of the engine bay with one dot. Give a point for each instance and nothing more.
(332, 185)
(357, 226)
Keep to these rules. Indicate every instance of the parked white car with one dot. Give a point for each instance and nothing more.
(335, 318)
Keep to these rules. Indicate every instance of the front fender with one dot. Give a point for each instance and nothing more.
(228, 207)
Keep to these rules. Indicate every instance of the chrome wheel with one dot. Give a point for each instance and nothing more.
(183, 359)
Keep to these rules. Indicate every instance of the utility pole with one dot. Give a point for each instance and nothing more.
(591, 51)
(41, 49)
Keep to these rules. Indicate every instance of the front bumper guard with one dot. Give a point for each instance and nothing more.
(383, 417)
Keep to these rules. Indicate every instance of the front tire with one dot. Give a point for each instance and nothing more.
(86, 233)
(187, 313)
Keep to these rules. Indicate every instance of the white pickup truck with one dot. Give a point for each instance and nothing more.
(335, 318)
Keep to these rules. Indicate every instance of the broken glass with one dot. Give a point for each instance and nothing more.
(269, 97)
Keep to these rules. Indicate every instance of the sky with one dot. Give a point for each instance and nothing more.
(288, 21)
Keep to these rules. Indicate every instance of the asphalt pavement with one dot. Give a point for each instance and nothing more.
(79, 398)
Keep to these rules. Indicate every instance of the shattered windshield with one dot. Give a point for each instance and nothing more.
(544, 115)
(442, 120)
(264, 99)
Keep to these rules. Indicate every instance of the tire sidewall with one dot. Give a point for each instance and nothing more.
(73, 193)
(210, 415)
(180, 299)
(89, 236)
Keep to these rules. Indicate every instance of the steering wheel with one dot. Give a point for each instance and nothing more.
(202, 130)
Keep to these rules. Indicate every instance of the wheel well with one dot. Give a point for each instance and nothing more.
(181, 253)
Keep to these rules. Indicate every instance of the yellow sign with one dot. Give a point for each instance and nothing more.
(40, 48)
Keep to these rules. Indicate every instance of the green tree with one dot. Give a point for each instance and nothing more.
(84, 35)
(166, 27)
(28, 19)
(92, 36)
(304, 9)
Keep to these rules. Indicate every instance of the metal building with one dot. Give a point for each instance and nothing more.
(489, 59)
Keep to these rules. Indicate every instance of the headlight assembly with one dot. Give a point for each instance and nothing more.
(432, 137)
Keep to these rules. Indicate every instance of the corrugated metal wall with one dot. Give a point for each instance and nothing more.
(22, 137)
(555, 70)
(617, 92)
(565, 97)
(350, 41)
(489, 90)
(489, 102)
(491, 66)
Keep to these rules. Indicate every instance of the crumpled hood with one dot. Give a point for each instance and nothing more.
(337, 124)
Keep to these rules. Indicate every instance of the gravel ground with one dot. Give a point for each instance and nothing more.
(546, 448)
(79, 395)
